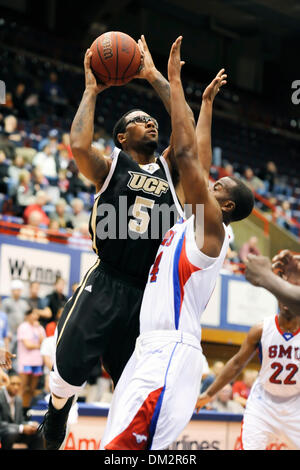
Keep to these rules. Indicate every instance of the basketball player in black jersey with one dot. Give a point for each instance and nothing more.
(101, 320)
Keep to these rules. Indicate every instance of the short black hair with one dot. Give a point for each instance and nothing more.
(120, 126)
(243, 198)
(28, 312)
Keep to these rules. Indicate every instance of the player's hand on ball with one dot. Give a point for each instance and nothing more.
(90, 79)
(147, 70)
(257, 267)
(175, 63)
(213, 88)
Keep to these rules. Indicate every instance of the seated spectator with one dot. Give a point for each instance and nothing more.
(284, 217)
(24, 196)
(53, 91)
(46, 162)
(60, 214)
(81, 237)
(13, 426)
(32, 231)
(224, 403)
(214, 371)
(15, 307)
(55, 300)
(8, 147)
(250, 247)
(41, 200)
(11, 130)
(16, 169)
(241, 388)
(79, 216)
(38, 180)
(30, 336)
(63, 183)
(65, 144)
(253, 182)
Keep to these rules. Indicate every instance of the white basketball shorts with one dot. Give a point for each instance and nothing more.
(157, 392)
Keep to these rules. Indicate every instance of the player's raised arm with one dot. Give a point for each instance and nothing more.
(259, 273)
(192, 174)
(90, 161)
(233, 367)
(203, 128)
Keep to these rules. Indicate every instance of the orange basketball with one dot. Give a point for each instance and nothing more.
(116, 58)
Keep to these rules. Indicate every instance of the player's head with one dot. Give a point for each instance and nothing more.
(136, 130)
(235, 198)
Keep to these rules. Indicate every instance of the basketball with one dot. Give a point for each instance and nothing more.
(116, 58)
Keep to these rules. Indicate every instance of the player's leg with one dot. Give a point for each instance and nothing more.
(165, 380)
(125, 333)
(137, 397)
(257, 427)
(82, 333)
(182, 385)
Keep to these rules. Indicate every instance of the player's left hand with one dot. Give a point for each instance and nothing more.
(175, 63)
(213, 88)
(257, 267)
(147, 70)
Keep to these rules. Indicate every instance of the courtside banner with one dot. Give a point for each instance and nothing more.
(32, 264)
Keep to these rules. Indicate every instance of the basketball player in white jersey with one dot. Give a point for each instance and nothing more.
(157, 392)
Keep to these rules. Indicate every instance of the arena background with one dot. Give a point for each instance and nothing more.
(256, 120)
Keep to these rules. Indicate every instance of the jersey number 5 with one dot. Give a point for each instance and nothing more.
(139, 211)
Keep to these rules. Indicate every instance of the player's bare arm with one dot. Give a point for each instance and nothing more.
(192, 174)
(259, 273)
(90, 161)
(234, 366)
(203, 128)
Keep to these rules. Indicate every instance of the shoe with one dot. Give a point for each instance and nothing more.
(54, 425)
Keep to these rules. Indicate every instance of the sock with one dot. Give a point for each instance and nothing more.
(57, 402)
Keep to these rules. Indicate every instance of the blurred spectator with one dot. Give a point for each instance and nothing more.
(241, 388)
(14, 429)
(24, 196)
(30, 336)
(223, 402)
(19, 98)
(268, 175)
(253, 182)
(36, 302)
(3, 173)
(39, 180)
(79, 215)
(16, 169)
(63, 183)
(65, 144)
(4, 331)
(76, 183)
(11, 130)
(61, 215)
(55, 300)
(45, 160)
(81, 237)
(74, 287)
(15, 307)
(214, 371)
(284, 216)
(99, 386)
(250, 247)
(31, 231)
(41, 200)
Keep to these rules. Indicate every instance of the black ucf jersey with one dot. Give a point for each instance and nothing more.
(136, 206)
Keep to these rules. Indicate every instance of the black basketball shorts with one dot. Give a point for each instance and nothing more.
(100, 321)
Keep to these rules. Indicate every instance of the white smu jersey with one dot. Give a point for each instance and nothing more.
(280, 360)
(180, 283)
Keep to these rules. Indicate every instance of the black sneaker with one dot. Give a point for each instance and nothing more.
(54, 425)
